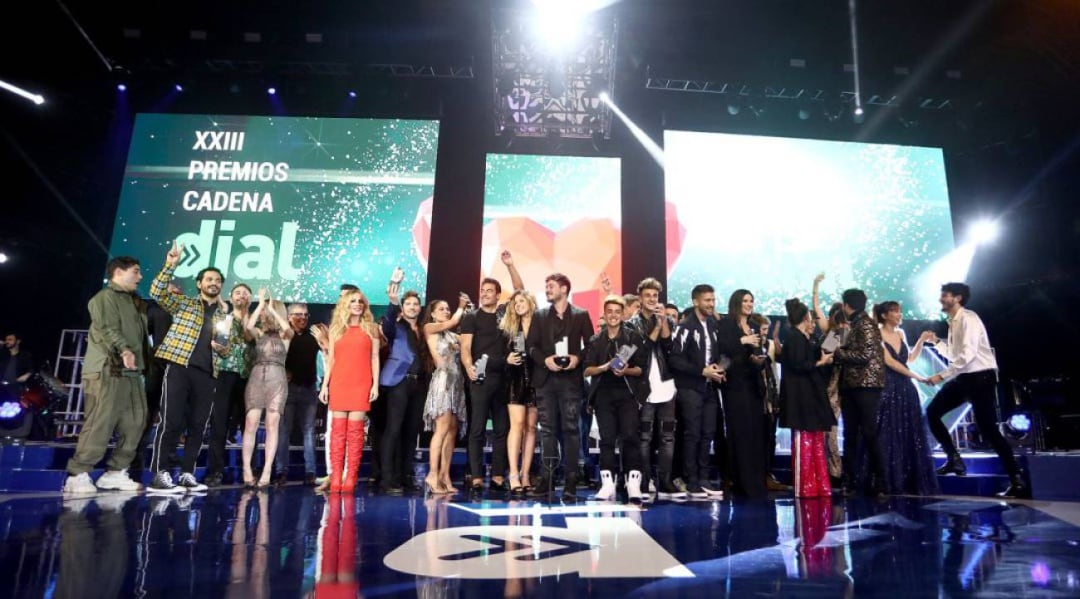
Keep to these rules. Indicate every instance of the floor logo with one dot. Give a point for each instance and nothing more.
(591, 547)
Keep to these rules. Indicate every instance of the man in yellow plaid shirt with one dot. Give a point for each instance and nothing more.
(188, 386)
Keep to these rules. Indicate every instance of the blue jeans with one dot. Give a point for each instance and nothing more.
(305, 401)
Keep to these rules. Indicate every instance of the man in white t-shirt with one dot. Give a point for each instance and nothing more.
(657, 388)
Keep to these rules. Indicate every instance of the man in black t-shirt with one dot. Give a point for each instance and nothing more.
(480, 336)
(303, 398)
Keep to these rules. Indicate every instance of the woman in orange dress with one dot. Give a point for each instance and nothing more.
(351, 370)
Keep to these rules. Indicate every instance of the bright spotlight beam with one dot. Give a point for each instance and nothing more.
(651, 147)
(35, 98)
(984, 232)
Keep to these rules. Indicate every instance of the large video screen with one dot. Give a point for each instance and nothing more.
(297, 204)
(768, 213)
(554, 214)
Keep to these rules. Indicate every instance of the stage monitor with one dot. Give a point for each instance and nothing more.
(297, 204)
(554, 214)
(768, 213)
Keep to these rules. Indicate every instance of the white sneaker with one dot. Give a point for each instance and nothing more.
(633, 485)
(79, 484)
(159, 505)
(607, 487)
(187, 480)
(117, 480)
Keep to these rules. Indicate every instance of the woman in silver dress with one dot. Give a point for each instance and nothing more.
(445, 405)
(267, 385)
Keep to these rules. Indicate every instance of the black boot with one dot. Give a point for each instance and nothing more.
(1018, 489)
(953, 464)
(569, 494)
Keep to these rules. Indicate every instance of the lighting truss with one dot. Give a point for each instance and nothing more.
(778, 92)
(542, 91)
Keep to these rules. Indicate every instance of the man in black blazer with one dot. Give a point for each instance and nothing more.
(557, 376)
(693, 358)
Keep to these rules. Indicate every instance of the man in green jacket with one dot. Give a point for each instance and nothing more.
(113, 393)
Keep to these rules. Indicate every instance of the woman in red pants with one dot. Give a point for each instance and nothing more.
(351, 369)
(804, 404)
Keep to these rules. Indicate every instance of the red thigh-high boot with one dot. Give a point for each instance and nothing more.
(338, 434)
(355, 448)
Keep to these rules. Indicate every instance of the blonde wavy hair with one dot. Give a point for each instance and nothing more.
(339, 322)
(511, 322)
(269, 323)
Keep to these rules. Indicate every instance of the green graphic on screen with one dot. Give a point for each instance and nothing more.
(768, 213)
(297, 204)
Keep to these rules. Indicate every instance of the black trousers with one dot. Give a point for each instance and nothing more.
(404, 417)
(155, 376)
(979, 388)
(187, 402)
(558, 404)
(744, 410)
(769, 422)
(859, 410)
(229, 391)
(617, 416)
(488, 397)
(660, 415)
(697, 413)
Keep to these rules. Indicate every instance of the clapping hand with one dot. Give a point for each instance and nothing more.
(507, 259)
(819, 278)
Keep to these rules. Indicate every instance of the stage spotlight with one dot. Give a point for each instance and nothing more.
(178, 87)
(121, 87)
(804, 114)
(733, 109)
(984, 232)
(1020, 429)
(604, 97)
(352, 94)
(9, 410)
(859, 111)
(3, 258)
(271, 90)
(35, 98)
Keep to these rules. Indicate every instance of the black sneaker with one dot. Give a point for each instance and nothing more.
(214, 479)
(391, 490)
(163, 484)
(695, 491)
(542, 488)
(188, 482)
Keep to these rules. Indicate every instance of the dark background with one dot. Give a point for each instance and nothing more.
(1010, 128)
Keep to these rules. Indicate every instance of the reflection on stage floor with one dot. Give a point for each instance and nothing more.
(292, 542)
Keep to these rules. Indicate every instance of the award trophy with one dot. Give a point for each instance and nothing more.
(481, 369)
(622, 357)
(562, 353)
(222, 330)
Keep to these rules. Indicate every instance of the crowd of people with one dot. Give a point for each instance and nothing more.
(687, 404)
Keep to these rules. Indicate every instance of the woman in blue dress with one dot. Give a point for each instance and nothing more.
(901, 424)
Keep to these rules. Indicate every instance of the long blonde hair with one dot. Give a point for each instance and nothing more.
(511, 322)
(269, 322)
(339, 322)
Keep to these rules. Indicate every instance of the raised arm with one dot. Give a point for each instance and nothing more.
(822, 319)
(515, 276)
(917, 350)
(159, 288)
(432, 328)
(251, 326)
(897, 366)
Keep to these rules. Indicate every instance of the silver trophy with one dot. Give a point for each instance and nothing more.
(622, 357)
(481, 369)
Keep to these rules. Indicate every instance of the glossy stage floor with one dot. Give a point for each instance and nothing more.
(290, 542)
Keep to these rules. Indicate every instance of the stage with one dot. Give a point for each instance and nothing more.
(291, 542)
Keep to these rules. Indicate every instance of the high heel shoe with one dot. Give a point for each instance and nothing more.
(433, 488)
(249, 480)
(516, 489)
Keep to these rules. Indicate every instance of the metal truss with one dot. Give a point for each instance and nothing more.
(422, 71)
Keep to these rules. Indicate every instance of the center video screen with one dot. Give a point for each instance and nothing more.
(299, 205)
(769, 213)
(554, 214)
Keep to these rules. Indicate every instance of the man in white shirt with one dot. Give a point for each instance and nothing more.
(971, 376)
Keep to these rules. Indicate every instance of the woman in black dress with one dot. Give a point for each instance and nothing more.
(804, 404)
(744, 404)
(521, 440)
